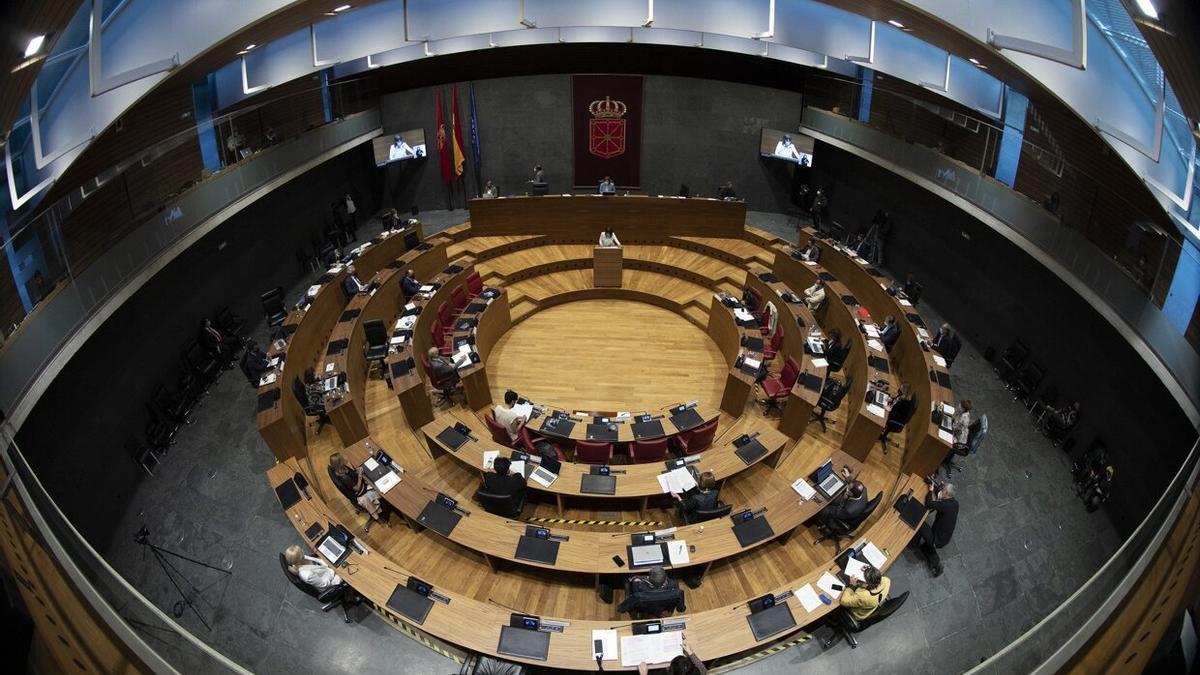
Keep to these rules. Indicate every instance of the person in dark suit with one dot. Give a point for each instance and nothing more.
(912, 289)
(849, 505)
(943, 339)
(224, 347)
(257, 363)
(904, 404)
(701, 498)
(811, 252)
(938, 527)
(890, 333)
(836, 350)
(442, 366)
(656, 580)
(501, 482)
(352, 284)
(409, 284)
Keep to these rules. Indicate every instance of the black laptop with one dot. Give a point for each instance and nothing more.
(287, 493)
(525, 643)
(750, 531)
(557, 426)
(452, 437)
(911, 510)
(605, 433)
(686, 419)
(749, 450)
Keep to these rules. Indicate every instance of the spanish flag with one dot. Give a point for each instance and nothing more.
(460, 157)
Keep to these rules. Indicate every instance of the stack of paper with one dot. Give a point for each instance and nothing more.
(751, 363)
(820, 363)
(939, 360)
(874, 556)
(517, 468)
(743, 314)
(386, 482)
(523, 409)
(656, 648)
(426, 288)
(269, 378)
(875, 344)
(677, 551)
(945, 435)
(872, 331)
(808, 598)
(313, 290)
(608, 639)
(854, 568)
(947, 409)
(489, 458)
(905, 302)
(805, 490)
(826, 583)
(676, 481)
(876, 410)
(398, 340)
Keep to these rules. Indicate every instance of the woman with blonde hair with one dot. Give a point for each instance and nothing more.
(353, 484)
(310, 569)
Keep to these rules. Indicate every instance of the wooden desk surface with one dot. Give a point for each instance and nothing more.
(635, 217)
(475, 625)
(592, 552)
(624, 427)
(798, 322)
(639, 480)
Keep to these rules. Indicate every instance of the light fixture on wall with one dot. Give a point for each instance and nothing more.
(896, 23)
(246, 50)
(1146, 8)
(977, 63)
(34, 46)
(336, 10)
(37, 49)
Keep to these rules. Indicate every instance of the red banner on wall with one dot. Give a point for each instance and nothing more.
(607, 120)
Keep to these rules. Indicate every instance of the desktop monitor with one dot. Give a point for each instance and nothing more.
(792, 147)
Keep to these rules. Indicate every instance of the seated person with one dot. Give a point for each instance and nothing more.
(257, 363)
(770, 317)
(726, 191)
(903, 405)
(442, 367)
(656, 580)
(686, 663)
(811, 252)
(352, 284)
(814, 296)
(962, 425)
(703, 497)
(310, 569)
(223, 347)
(862, 598)
(943, 340)
(849, 505)
(911, 289)
(1096, 488)
(1062, 420)
(490, 191)
(330, 255)
(607, 186)
(748, 299)
(938, 527)
(353, 484)
(836, 350)
(608, 238)
(890, 333)
(409, 284)
(507, 417)
(502, 482)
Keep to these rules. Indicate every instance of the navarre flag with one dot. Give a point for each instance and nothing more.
(460, 157)
(443, 148)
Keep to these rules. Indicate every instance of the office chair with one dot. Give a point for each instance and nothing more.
(976, 432)
(1011, 359)
(524, 441)
(142, 454)
(844, 624)
(651, 604)
(835, 355)
(445, 318)
(272, 303)
(227, 322)
(334, 596)
(459, 298)
(1027, 381)
(204, 365)
(641, 452)
(505, 506)
(444, 388)
(245, 368)
(831, 399)
(702, 515)
(159, 433)
(437, 337)
(697, 440)
(308, 263)
(755, 298)
(915, 292)
(593, 452)
(173, 405)
(474, 285)
(1044, 402)
(376, 348)
(772, 347)
(838, 529)
(777, 389)
(312, 407)
(894, 424)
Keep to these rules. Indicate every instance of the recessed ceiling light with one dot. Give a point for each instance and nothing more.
(249, 47)
(34, 46)
(341, 8)
(1147, 8)
(896, 23)
(974, 60)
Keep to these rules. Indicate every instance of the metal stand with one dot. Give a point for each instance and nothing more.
(142, 537)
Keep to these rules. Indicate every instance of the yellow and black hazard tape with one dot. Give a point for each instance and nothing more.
(576, 521)
(416, 635)
(761, 654)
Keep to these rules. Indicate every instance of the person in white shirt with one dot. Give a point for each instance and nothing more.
(785, 150)
(962, 423)
(507, 417)
(490, 191)
(351, 209)
(771, 316)
(814, 295)
(608, 238)
(310, 569)
(399, 149)
(607, 186)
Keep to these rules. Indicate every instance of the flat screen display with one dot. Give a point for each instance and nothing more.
(791, 147)
(399, 146)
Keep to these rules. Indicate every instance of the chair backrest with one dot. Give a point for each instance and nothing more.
(908, 415)
(500, 505)
(700, 438)
(649, 451)
(777, 338)
(867, 511)
(308, 590)
(791, 371)
(444, 314)
(459, 296)
(475, 283)
(593, 452)
(976, 433)
(885, 610)
(499, 433)
(755, 296)
(719, 511)
(1015, 354)
(653, 603)
(375, 332)
(272, 304)
(435, 332)
(833, 393)
(299, 391)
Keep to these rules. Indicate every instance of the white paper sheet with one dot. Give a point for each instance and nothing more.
(398, 340)
(313, 290)
(810, 263)
(523, 409)
(751, 363)
(425, 288)
(945, 435)
(874, 556)
(854, 568)
(657, 648)
(371, 464)
(608, 638)
(826, 582)
(808, 598)
(939, 360)
(677, 550)
(269, 378)
(805, 490)
(676, 481)
(875, 344)
(517, 468)
(329, 367)
(489, 459)
(905, 302)
(820, 363)
(386, 482)
(872, 331)
(876, 410)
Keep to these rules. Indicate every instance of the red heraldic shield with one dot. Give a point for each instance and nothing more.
(607, 137)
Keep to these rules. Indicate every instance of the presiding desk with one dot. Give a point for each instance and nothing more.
(923, 369)
(636, 216)
(475, 625)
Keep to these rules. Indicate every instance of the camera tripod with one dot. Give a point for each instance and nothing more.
(160, 554)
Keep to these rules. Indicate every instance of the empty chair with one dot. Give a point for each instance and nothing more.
(1027, 381)
(459, 298)
(772, 347)
(593, 452)
(445, 317)
(444, 387)
(752, 298)
(142, 454)
(648, 451)
(313, 407)
(1011, 360)
(831, 399)
(334, 596)
(272, 303)
(702, 515)
(203, 364)
(308, 263)
(376, 348)
(697, 440)
(228, 323)
(474, 285)
(777, 389)
(507, 506)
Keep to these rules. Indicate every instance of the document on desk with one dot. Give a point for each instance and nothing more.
(313, 290)
(655, 648)
(517, 468)
(945, 435)
(805, 490)
(875, 344)
(489, 458)
(523, 409)
(808, 597)
(386, 482)
(876, 410)
(820, 363)
(677, 551)
(922, 333)
(742, 314)
(676, 481)
(398, 340)
(874, 556)
(810, 263)
(905, 302)
(854, 568)
(872, 331)
(751, 363)
(827, 582)
(426, 288)
(608, 641)
(269, 378)
(939, 360)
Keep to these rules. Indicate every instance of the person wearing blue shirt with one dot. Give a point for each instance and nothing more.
(409, 284)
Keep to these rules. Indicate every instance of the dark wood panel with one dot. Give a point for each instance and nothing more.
(635, 217)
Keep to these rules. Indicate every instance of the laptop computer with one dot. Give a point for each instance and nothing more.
(830, 485)
(753, 530)
(686, 419)
(750, 450)
(597, 484)
(602, 432)
(556, 426)
(287, 493)
(537, 550)
(645, 555)
(452, 438)
(770, 621)
(439, 518)
(650, 429)
(333, 550)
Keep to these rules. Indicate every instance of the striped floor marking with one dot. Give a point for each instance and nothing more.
(574, 521)
(415, 635)
(762, 654)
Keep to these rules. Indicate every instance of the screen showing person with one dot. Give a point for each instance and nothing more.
(399, 146)
(777, 144)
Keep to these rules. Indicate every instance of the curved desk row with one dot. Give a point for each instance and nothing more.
(925, 444)
(279, 416)
(476, 625)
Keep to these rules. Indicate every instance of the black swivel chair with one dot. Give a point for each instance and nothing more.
(228, 323)
(331, 597)
(312, 408)
(1027, 381)
(831, 399)
(844, 624)
(203, 365)
(837, 529)
(142, 454)
(976, 432)
(652, 604)
(702, 515)
(376, 348)
(272, 302)
(505, 506)
(1011, 360)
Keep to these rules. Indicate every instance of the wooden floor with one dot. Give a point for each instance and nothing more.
(607, 355)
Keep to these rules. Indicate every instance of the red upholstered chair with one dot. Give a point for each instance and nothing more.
(764, 322)
(777, 389)
(525, 439)
(697, 440)
(445, 387)
(459, 297)
(446, 318)
(772, 348)
(757, 297)
(593, 452)
(648, 451)
(474, 285)
(437, 338)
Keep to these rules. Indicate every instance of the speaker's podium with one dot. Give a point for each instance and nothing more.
(606, 272)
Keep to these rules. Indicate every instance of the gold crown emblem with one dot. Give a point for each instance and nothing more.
(607, 109)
